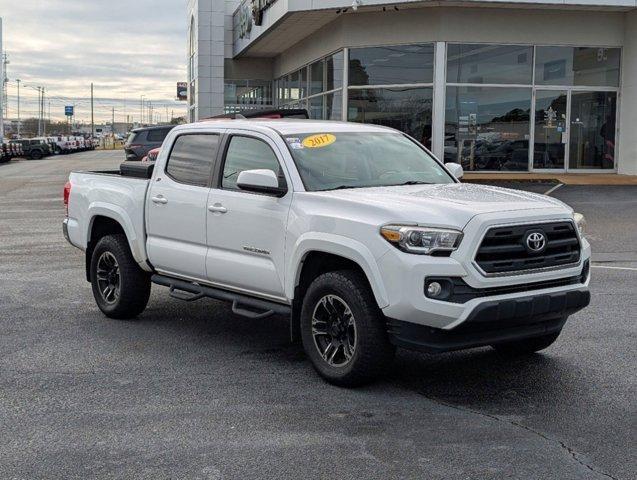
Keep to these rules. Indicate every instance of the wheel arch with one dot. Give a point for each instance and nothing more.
(315, 257)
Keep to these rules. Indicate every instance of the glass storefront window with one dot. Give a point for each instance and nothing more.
(303, 85)
(294, 86)
(316, 77)
(334, 66)
(406, 109)
(549, 147)
(487, 128)
(483, 63)
(400, 64)
(327, 107)
(248, 92)
(593, 126)
(577, 66)
(316, 107)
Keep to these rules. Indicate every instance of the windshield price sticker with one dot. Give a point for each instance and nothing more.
(319, 141)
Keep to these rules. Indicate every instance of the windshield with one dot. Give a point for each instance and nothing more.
(330, 161)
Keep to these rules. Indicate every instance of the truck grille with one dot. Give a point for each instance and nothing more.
(508, 249)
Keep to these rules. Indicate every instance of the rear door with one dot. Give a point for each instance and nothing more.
(246, 231)
(176, 211)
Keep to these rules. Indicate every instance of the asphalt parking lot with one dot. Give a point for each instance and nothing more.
(191, 391)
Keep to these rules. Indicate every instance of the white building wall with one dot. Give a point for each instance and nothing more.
(628, 100)
(534, 27)
(210, 24)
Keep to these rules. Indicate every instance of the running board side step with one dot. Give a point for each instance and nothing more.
(190, 292)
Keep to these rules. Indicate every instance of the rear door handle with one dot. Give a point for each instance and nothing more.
(159, 199)
(217, 209)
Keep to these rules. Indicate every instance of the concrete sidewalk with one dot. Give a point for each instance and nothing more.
(567, 179)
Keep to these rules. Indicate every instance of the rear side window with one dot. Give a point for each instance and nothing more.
(157, 135)
(192, 158)
(245, 153)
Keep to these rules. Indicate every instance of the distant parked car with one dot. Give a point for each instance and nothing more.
(5, 153)
(34, 149)
(143, 140)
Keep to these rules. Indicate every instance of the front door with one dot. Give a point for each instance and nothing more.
(246, 231)
(592, 135)
(176, 210)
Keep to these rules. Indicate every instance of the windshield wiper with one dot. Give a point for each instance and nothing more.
(413, 182)
(340, 187)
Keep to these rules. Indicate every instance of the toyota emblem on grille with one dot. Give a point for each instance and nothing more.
(536, 242)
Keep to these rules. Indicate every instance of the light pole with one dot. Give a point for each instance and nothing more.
(19, 122)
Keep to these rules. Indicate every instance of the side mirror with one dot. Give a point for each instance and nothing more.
(260, 181)
(455, 169)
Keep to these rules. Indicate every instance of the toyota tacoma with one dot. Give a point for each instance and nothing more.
(356, 233)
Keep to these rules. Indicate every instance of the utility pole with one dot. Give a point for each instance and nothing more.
(43, 116)
(19, 121)
(141, 110)
(39, 111)
(92, 114)
(113, 123)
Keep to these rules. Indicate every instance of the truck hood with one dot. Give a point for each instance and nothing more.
(449, 205)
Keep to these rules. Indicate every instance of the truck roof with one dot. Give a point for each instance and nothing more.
(287, 126)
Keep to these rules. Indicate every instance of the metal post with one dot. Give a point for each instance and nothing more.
(19, 121)
(43, 115)
(92, 117)
(39, 111)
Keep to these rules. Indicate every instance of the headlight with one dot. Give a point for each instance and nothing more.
(580, 221)
(421, 240)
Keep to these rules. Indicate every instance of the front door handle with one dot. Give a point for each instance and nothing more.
(217, 208)
(159, 199)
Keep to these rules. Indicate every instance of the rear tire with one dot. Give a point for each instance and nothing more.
(121, 289)
(343, 330)
(527, 346)
(36, 155)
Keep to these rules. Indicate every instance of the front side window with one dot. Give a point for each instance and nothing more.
(192, 157)
(246, 153)
(330, 161)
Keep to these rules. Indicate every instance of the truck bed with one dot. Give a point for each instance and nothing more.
(115, 194)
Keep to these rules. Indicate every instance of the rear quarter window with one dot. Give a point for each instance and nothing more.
(192, 158)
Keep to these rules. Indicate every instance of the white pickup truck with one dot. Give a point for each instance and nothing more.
(355, 232)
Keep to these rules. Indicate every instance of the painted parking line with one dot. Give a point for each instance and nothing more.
(615, 268)
(559, 185)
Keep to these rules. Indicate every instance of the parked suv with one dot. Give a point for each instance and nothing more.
(143, 140)
(34, 149)
(356, 233)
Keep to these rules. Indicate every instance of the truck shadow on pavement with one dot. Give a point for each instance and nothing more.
(472, 378)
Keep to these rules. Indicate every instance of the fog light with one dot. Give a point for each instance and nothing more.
(434, 289)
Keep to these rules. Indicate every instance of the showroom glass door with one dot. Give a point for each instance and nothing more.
(550, 136)
(593, 118)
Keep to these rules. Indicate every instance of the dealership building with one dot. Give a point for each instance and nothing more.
(500, 86)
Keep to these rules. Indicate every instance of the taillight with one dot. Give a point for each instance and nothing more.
(67, 194)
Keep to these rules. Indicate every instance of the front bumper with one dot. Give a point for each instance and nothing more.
(494, 321)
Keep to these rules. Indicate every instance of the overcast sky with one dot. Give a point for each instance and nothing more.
(127, 48)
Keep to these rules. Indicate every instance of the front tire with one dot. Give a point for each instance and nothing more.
(36, 155)
(527, 346)
(343, 330)
(121, 289)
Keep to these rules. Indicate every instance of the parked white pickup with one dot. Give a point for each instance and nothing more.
(356, 232)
